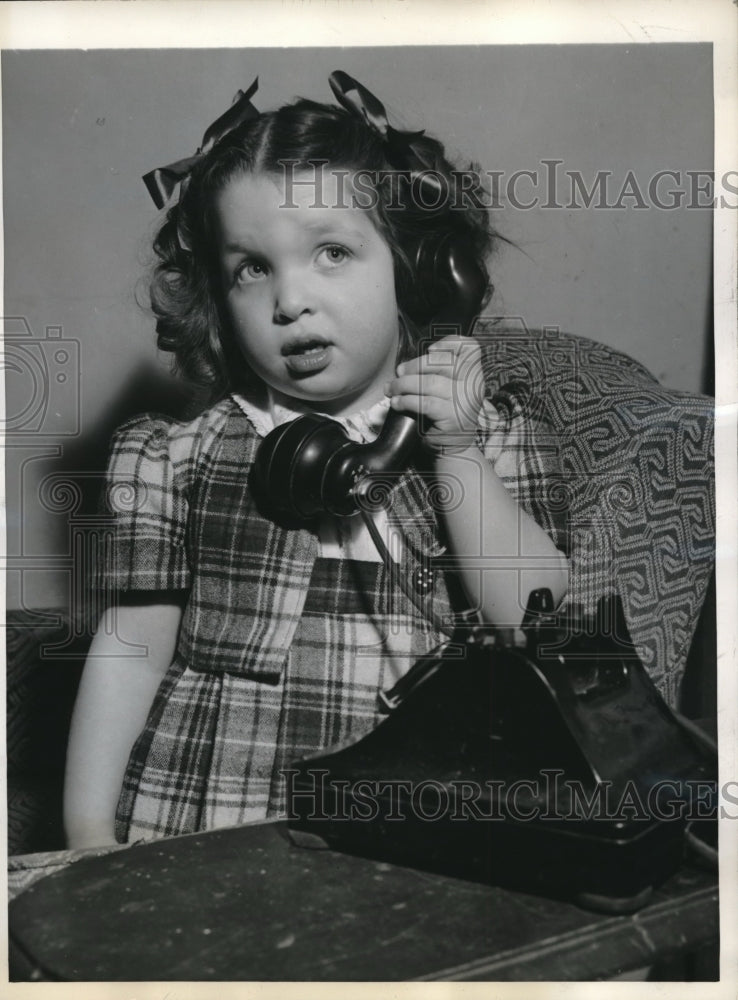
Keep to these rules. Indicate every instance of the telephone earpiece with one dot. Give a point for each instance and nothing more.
(310, 465)
(450, 286)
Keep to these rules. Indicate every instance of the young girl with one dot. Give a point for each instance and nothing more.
(288, 281)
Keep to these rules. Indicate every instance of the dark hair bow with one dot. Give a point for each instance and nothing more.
(162, 181)
(361, 102)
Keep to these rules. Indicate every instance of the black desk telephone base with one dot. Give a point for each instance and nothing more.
(555, 767)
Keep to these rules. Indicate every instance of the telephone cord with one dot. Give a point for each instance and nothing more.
(395, 570)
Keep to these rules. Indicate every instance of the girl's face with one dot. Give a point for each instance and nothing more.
(309, 290)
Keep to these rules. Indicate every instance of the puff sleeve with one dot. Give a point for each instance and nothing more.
(145, 509)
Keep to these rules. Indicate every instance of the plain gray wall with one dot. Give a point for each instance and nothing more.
(80, 128)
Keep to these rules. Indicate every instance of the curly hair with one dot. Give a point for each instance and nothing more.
(184, 288)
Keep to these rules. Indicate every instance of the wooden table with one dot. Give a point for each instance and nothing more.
(246, 904)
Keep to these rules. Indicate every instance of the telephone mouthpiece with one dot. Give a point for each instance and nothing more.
(310, 466)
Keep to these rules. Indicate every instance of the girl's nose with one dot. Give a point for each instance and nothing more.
(292, 296)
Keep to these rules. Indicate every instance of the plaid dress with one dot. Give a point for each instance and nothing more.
(281, 652)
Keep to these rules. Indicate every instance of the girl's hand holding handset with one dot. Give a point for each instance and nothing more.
(445, 389)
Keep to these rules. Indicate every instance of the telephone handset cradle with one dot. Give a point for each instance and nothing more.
(555, 768)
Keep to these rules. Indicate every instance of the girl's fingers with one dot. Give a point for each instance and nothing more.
(445, 386)
(421, 384)
(435, 361)
(426, 406)
(451, 358)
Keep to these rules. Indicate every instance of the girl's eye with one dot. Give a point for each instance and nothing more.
(333, 255)
(251, 270)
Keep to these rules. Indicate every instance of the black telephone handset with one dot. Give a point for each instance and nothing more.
(310, 465)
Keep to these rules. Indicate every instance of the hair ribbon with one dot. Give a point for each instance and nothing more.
(360, 102)
(162, 181)
(349, 93)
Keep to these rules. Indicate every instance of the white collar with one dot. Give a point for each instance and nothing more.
(267, 413)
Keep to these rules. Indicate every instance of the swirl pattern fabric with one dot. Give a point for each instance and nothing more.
(637, 481)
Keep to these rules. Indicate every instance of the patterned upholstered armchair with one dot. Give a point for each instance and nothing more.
(637, 481)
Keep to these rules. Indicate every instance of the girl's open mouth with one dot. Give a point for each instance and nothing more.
(307, 357)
